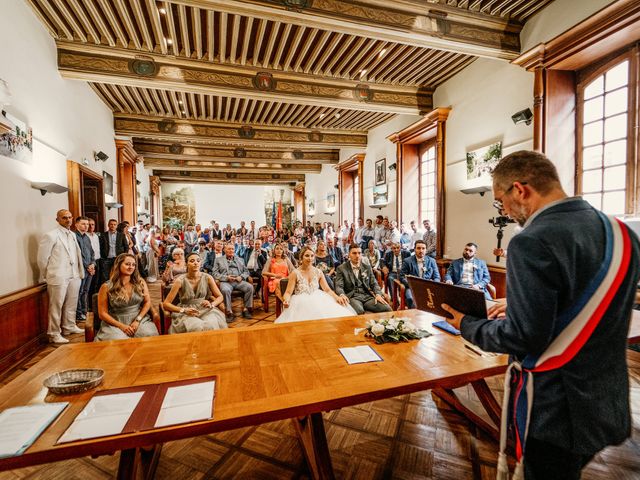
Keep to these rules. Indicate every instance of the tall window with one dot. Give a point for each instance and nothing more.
(428, 184)
(605, 171)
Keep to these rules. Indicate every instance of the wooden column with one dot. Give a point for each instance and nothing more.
(155, 214)
(300, 203)
(127, 188)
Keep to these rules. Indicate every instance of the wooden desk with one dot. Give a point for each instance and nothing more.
(265, 374)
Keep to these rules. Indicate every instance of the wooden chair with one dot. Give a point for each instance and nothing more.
(282, 287)
(400, 301)
(91, 329)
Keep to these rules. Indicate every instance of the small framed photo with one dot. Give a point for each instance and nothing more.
(381, 171)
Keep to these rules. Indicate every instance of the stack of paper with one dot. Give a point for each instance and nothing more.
(361, 354)
(20, 426)
(186, 403)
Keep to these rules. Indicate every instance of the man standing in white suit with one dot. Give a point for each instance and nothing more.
(60, 263)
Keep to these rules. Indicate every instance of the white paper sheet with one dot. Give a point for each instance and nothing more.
(186, 403)
(103, 415)
(20, 426)
(360, 354)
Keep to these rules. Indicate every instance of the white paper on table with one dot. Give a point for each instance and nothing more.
(360, 354)
(20, 426)
(186, 403)
(104, 415)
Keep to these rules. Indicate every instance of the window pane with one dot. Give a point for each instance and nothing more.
(593, 109)
(615, 102)
(613, 203)
(618, 76)
(615, 127)
(594, 88)
(592, 181)
(614, 177)
(594, 199)
(592, 157)
(592, 133)
(615, 153)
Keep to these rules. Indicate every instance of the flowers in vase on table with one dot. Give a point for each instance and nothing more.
(392, 329)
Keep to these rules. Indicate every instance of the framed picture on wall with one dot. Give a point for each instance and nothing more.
(381, 171)
(331, 202)
(108, 183)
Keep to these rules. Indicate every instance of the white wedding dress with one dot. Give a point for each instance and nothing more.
(309, 302)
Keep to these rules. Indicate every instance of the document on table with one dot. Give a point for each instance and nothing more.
(361, 354)
(187, 403)
(21, 426)
(104, 415)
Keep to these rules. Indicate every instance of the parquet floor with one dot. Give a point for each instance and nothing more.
(411, 437)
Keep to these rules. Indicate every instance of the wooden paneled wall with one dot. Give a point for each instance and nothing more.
(23, 324)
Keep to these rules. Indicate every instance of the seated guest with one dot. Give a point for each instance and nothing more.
(419, 265)
(232, 274)
(324, 262)
(356, 282)
(207, 266)
(391, 263)
(124, 303)
(366, 234)
(469, 271)
(175, 267)
(255, 257)
(202, 250)
(335, 253)
(199, 298)
(405, 238)
(277, 267)
(372, 255)
(313, 298)
(294, 247)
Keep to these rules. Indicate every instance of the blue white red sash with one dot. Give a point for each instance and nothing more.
(574, 328)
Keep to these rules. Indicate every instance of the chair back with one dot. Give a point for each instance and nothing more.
(91, 330)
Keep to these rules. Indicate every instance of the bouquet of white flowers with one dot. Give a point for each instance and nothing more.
(392, 330)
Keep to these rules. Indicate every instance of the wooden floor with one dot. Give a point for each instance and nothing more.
(409, 437)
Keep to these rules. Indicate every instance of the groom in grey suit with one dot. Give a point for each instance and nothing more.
(355, 281)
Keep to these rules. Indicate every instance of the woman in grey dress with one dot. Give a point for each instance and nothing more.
(199, 299)
(124, 302)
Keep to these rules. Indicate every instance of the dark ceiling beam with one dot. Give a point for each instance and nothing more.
(100, 64)
(411, 22)
(215, 133)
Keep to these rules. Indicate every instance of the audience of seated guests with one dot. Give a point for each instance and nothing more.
(176, 267)
(418, 265)
(232, 273)
(355, 280)
(124, 303)
(469, 271)
(199, 298)
(391, 264)
(324, 262)
(278, 266)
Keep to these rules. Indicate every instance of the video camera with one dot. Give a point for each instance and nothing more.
(501, 221)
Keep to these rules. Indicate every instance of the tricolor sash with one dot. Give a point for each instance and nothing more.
(574, 328)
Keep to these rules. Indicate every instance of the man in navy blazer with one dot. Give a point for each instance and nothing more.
(581, 405)
(469, 271)
(419, 265)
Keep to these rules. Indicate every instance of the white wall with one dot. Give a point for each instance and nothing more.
(317, 187)
(69, 122)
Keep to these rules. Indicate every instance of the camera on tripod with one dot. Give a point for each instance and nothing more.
(501, 221)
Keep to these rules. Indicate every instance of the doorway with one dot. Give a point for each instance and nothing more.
(86, 193)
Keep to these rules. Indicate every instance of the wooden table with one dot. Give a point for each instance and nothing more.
(265, 374)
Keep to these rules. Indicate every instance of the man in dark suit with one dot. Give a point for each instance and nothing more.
(356, 282)
(581, 401)
(334, 252)
(469, 271)
(210, 259)
(391, 264)
(112, 244)
(255, 258)
(419, 265)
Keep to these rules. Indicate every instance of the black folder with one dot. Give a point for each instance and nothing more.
(429, 295)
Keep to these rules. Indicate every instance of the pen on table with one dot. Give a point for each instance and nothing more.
(473, 349)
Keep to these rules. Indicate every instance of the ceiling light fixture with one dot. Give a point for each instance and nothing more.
(321, 116)
(162, 11)
(337, 115)
(382, 52)
(180, 102)
(362, 73)
(169, 41)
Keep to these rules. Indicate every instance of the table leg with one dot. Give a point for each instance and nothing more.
(450, 397)
(313, 440)
(144, 459)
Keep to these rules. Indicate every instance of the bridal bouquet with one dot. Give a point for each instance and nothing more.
(392, 330)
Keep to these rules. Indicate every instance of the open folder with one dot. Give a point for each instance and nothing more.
(143, 407)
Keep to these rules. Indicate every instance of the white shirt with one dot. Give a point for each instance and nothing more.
(467, 272)
(95, 244)
(416, 236)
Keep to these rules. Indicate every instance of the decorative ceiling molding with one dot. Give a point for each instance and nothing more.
(237, 167)
(219, 177)
(185, 131)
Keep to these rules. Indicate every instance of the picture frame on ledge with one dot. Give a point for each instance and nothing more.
(381, 171)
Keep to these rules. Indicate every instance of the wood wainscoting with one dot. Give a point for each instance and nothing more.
(23, 324)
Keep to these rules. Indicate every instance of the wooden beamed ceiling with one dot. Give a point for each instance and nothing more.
(284, 82)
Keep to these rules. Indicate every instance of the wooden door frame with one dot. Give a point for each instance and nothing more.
(127, 158)
(353, 163)
(75, 180)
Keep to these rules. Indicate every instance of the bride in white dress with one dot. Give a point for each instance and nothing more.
(313, 299)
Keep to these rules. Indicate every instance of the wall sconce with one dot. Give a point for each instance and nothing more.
(100, 156)
(111, 205)
(480, 190)
(45, 187)
(392, 167)
(523, 116)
